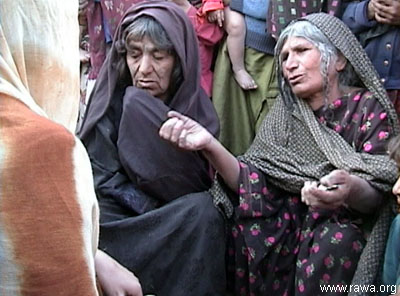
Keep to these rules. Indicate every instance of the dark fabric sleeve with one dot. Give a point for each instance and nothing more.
(110, 180)
(159, 168)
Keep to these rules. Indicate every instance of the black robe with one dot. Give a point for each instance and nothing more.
(157, 218)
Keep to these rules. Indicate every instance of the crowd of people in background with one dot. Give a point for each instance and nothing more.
(199, 147)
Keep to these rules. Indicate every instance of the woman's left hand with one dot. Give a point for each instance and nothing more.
(330, 193)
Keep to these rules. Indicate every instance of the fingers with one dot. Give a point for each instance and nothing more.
(174, 129)
(328, 199)
(173, 113)
(306, 193)
(384, 18)
(335, 177)
(316, 196)
(382, 11)
(213, 16)
(167, 129)
(220, 22)
(387, 12)
(220, 18)
(216, 16)
(182, 138)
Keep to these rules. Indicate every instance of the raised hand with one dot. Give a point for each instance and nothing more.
(190, 135)
(185, 132)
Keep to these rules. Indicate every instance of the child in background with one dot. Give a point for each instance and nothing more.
(208, 35)
(391, 266)
(218, 11)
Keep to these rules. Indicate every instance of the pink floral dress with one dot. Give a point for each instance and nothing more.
(280, 247)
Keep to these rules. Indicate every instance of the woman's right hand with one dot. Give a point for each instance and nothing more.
(331, 192)
(114, 279)
(190, 135)
(347, 190)
(185, 132)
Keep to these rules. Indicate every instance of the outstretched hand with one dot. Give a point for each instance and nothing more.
(184, 132)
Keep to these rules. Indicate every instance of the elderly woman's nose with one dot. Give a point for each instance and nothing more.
(145, 65)
(291, 62)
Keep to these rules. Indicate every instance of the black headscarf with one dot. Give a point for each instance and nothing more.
(120, 129)
(189, 99)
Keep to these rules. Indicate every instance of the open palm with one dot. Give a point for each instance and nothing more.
(184, 132)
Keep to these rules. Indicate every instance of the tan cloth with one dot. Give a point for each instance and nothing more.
(48, 209)
(37, 64)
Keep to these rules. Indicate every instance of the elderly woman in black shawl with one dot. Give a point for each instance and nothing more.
(316, 172)
(153, 220)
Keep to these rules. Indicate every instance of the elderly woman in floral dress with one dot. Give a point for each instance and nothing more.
(316, 172)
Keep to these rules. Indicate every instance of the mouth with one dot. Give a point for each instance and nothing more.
(294, 79)
(145, 83)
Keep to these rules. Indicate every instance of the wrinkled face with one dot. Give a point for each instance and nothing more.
(301, 65)
(150, 67)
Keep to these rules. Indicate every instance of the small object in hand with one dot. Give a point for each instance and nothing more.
(328, 188)
(333, 187)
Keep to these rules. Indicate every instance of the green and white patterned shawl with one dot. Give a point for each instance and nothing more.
(293, 147)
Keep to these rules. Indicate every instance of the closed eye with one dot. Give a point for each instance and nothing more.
(302, 49)
(160, 54)
(134, 54)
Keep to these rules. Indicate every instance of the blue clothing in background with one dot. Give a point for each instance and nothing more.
(255, 15)
(381, 42)
(391, 270)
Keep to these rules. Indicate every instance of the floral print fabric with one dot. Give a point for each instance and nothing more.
(360, 119)
(282, 12)
(280, 247)
(99, 14)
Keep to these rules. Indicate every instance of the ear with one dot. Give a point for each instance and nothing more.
(340, 63)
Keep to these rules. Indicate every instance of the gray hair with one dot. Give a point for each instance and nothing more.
(146, 26)
(329, 54)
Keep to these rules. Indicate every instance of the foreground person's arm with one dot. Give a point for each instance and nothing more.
(190, 135)
(115, 280)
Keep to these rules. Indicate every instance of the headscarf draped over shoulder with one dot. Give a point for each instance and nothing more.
(189, 99)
